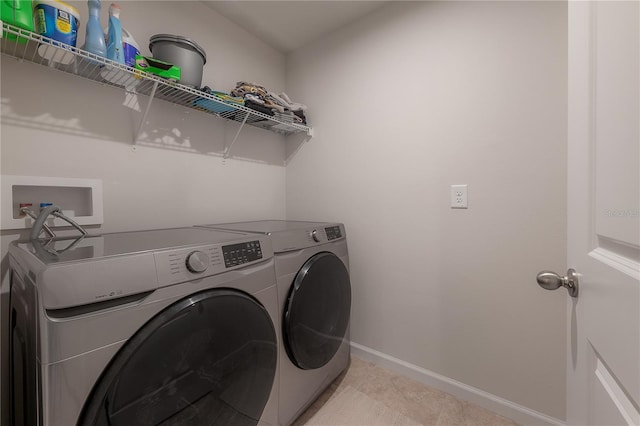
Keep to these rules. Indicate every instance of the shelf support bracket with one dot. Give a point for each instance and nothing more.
(146, 112)
(227, 150)
(307, 137)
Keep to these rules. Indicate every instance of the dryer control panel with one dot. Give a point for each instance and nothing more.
(325, 234)
(333, 232)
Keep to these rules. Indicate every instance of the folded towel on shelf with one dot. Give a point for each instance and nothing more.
(258, 107)
(213, 106)
(242, 88)
(301, 116)
(254, 98)
(288, 117)
(233, 100)
(293, 106)
(258, 98)
(268, 102)
(278, 100)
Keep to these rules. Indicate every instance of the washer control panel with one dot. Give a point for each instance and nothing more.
(184, 264)
(239, 254)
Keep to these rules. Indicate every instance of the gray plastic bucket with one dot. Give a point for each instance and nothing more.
(183, 52)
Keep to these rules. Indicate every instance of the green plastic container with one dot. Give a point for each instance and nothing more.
(18, 13)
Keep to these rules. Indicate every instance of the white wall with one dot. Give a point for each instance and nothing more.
(57, 125)
(405, 102)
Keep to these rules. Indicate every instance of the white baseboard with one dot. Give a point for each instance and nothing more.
(523, 415)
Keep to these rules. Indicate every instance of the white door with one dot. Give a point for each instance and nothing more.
(603, 362)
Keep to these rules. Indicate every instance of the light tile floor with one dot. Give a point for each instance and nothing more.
(423, 404)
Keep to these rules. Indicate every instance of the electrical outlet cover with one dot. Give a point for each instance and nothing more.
(459, 197)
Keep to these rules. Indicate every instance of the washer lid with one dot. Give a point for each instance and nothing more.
(90, 247)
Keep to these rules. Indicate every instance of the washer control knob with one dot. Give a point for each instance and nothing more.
(315, 236)
(197, 262)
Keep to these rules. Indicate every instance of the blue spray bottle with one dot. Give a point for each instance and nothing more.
(94, 40)
(115, 50)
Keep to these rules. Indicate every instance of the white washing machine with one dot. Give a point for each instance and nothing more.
(165, 327)
(314, 298)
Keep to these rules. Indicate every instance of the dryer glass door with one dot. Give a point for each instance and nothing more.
(208, 359)
(317, 311)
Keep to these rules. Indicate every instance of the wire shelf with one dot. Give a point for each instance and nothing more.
(31, 47)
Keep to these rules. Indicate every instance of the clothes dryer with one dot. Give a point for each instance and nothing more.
(165, 327)
(314, 293)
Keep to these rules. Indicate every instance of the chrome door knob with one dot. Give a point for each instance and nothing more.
(552, 281)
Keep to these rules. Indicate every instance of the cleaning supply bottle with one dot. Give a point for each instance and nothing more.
(18, 13)
(130, 47)
(115, 50)
(94, 40)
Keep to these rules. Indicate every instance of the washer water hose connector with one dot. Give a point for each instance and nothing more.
(55, 211)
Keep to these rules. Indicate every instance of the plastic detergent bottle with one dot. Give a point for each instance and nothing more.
(18, 13)
(94, 41)
(115, 50)
(131, 48)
